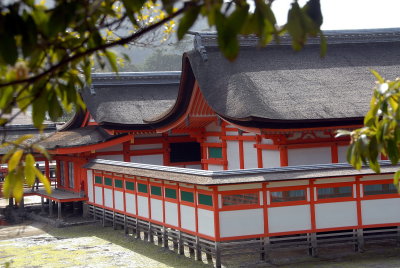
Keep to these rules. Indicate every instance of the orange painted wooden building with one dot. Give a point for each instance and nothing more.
(235, 151)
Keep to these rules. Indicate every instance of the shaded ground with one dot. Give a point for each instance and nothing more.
(41, 245)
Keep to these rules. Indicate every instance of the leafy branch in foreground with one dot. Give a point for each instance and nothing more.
(381, 131)
(47, 51)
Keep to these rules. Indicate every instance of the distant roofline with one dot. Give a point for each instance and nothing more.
(136, 78)
(202, 40)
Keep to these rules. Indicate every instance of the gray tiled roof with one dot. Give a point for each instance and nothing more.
(129, 99)
(278, 84)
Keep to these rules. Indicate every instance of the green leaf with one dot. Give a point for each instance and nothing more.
(323, 46)
(29, 169)
(187, 21)
(39, 108)
(377, 76)
(44, 180)
(18, 191)
(396, 179)
(112, 60)
(8, 49)
(8, 185)
(393, 152)
(15, 159)
(55, 110)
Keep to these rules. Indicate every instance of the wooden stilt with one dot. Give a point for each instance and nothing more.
(180, 244)
(42, 203)
(104, 218)
(126, 231)
(198, 250)
(164, 238)
(113, 223)
(150, 234)
(50, 208)
(360, 240)
(217, 255)
(59, 211)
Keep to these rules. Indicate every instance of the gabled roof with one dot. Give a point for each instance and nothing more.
(127, 100)
(276, 87)
(82, 140)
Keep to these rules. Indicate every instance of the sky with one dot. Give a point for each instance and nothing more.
(349, 14)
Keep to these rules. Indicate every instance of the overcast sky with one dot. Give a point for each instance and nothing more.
(350, 14)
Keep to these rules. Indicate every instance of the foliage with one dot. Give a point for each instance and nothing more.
(48, 51)
(160, 61)
(381, 131)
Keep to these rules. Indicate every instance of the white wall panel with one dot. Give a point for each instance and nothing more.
(90, 185)
(143, 206)
(250, 155)
(116, 157)
(156, 209)
(241, 222)
(342, 154)
(108, 198)
(290, 218)
(271, 158)
(338, 214)
(119, 200)
(206, 222)
(153, 159)
(188, 220)
(215, 167)
(309, 156)
(380, 211)
(130, 203)
(232, 150)
(171, 213)
(98, 195)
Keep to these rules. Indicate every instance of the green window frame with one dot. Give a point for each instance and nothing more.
(129, 185)
(170, 193)
(142, 188)
(214, 152)
(118, 184)
(98, 180)
(187, 196)
(205, 199)
(107, 181)
(156, 190)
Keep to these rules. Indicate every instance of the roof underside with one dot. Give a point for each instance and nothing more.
(276, 87)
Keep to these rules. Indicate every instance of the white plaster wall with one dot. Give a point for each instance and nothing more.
(188, 220)
(250, 155)
(342, 154)
(117, 147)
(130, 203)
(232, 150)
(98, 195)
(146, 146)
(271, 158)
(153, 159)
(108, 198)
(215, 167)
(290, 218)
(241, 222)
(380, 211)
(193, 166)
(116, 157)
(143, 206)
(119, 200)
(338, 214)
(171, 213)
(309, 156)
(90, 185)
(156, 209)
(206, 222)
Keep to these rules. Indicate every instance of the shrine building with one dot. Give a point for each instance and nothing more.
(231, 157)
